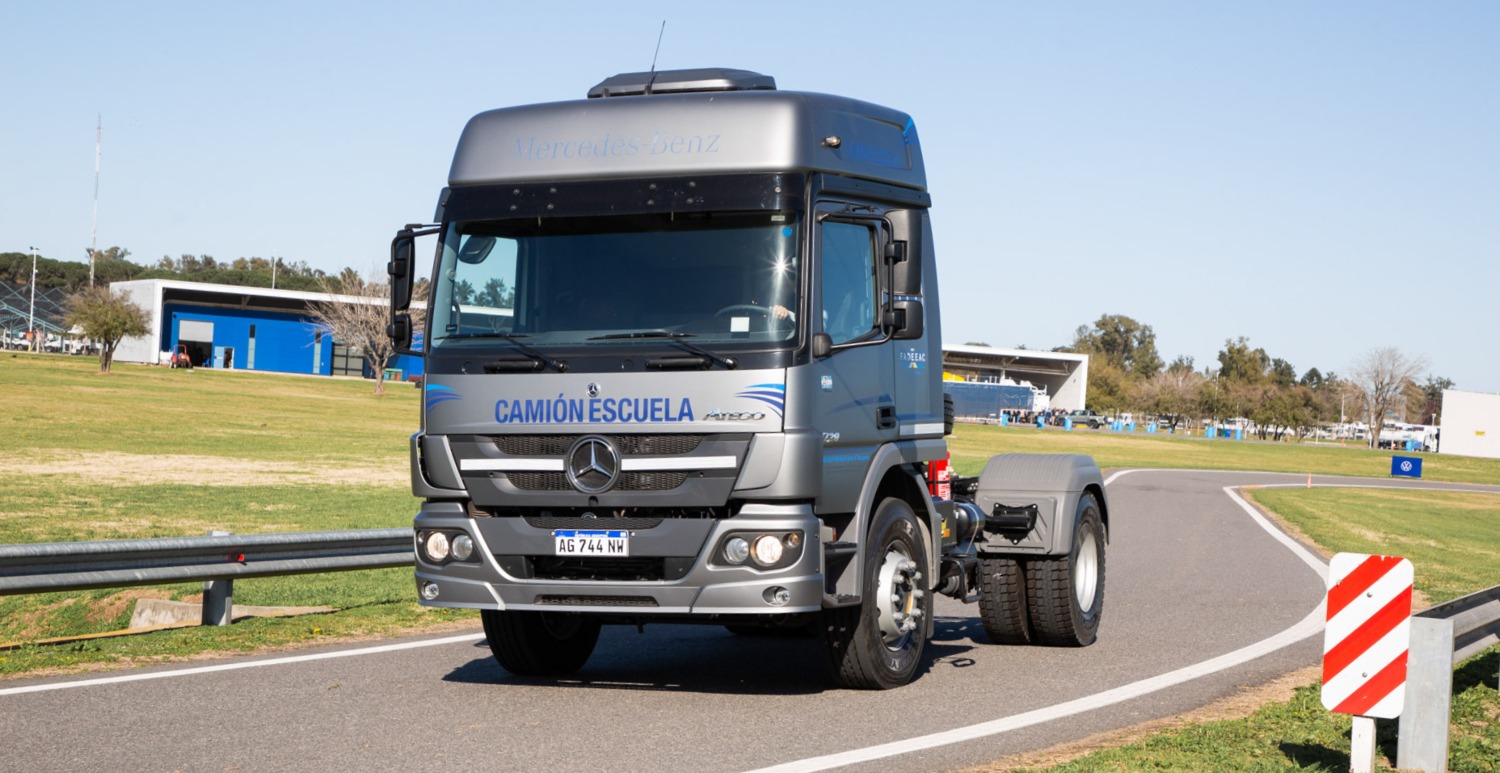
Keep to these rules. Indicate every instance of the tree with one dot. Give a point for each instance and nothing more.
(1109, 388)
(1124, 343)
(1173, 393)
(361, 323)
(1381, 376)
(1426, 401)
(107, 317)
(1283, 374)
(1240, 364)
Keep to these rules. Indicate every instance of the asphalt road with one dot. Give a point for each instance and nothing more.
(1201, 600)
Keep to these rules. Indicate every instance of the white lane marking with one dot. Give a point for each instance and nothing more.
(1311, 625)
(468, 637)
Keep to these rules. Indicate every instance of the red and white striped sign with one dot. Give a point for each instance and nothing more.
(1366, 638)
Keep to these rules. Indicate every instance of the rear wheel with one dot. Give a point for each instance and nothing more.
(540, 643)
(878, 644)
(1066, 594)
(1002, 600)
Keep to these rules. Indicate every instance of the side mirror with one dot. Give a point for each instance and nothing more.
(904, 253)
(399, 331)
(904, 320)
(400, 270)
(822, 345)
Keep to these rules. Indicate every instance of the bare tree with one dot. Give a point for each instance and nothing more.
(1172, 394)
(357, 314)
(106, 316)
(1381, 376)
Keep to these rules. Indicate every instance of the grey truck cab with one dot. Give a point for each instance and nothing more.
(683, 364)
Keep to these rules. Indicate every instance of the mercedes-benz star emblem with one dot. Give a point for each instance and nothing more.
(594, 389)
(593, 464)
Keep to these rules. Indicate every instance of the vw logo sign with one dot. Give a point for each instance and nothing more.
(592, 464)
(1406, 466)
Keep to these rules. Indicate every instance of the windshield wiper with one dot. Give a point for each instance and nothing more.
(678, 338)
(536, 357)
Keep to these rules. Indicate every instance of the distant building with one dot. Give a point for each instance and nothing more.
(1064, 375)
(1471, 424)
(244, 328)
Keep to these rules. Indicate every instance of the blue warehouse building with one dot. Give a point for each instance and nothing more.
(245, 328)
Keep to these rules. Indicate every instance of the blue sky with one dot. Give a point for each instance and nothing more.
(1321, 178)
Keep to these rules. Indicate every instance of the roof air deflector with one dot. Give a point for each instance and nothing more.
(634, 84)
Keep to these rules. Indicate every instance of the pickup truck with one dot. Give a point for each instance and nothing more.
(1085, 417)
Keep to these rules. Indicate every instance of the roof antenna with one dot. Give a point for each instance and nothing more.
(659, 35)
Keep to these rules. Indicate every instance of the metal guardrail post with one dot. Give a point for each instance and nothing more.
(218, 602)
(218, 595)
(1441, 637)
(1423, 729)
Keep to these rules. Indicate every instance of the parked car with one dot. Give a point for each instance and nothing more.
(1085, 417)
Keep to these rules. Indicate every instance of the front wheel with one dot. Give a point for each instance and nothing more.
(1066, 594)
(540, 643)
(878, 644)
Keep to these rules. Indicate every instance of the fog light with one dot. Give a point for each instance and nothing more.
(463, 547)
(736, 550)
(777, 596)
(436, 546)
(792, 540)
(767, 549)
(429, 590)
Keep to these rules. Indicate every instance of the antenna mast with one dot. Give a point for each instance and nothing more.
(657, 53)
(94, 231)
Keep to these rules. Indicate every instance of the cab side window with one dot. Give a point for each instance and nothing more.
(847, 280)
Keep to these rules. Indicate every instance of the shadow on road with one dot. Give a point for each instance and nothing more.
(709, 659)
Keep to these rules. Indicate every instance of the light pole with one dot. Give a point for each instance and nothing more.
(31, 320)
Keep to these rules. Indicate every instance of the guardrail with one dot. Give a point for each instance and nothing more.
(1441, 637)
(217, 560)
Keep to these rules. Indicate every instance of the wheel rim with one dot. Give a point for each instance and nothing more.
(1086, 571)
(897, 597)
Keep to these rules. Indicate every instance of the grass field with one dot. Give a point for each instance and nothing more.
(150, 452)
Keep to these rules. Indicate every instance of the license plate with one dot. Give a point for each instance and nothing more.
(591, 542)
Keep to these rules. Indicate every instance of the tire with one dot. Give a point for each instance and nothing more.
(878, 644)
(540, 643)
(1002, 601)
(1093, 425)
(1066, 595)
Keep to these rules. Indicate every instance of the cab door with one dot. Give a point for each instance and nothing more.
(856, 408)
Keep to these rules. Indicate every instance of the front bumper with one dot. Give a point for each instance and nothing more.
(504, 546)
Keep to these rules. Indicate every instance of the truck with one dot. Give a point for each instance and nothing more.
(986, 400)
(682, 365)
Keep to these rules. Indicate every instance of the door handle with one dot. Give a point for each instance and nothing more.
(885, 417)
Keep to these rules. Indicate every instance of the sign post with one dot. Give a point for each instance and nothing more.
(1365, 644)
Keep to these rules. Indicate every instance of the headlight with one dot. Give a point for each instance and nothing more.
(736, 550)
(463, 547)
(767, 549)
(436, 546)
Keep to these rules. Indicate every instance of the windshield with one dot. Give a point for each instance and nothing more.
(717, 278)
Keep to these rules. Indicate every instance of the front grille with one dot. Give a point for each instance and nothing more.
(555, 522)
(597, 569)
(629, 445)
(599, 601)
(628, 481)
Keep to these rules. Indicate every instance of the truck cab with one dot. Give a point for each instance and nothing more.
(681, 365)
